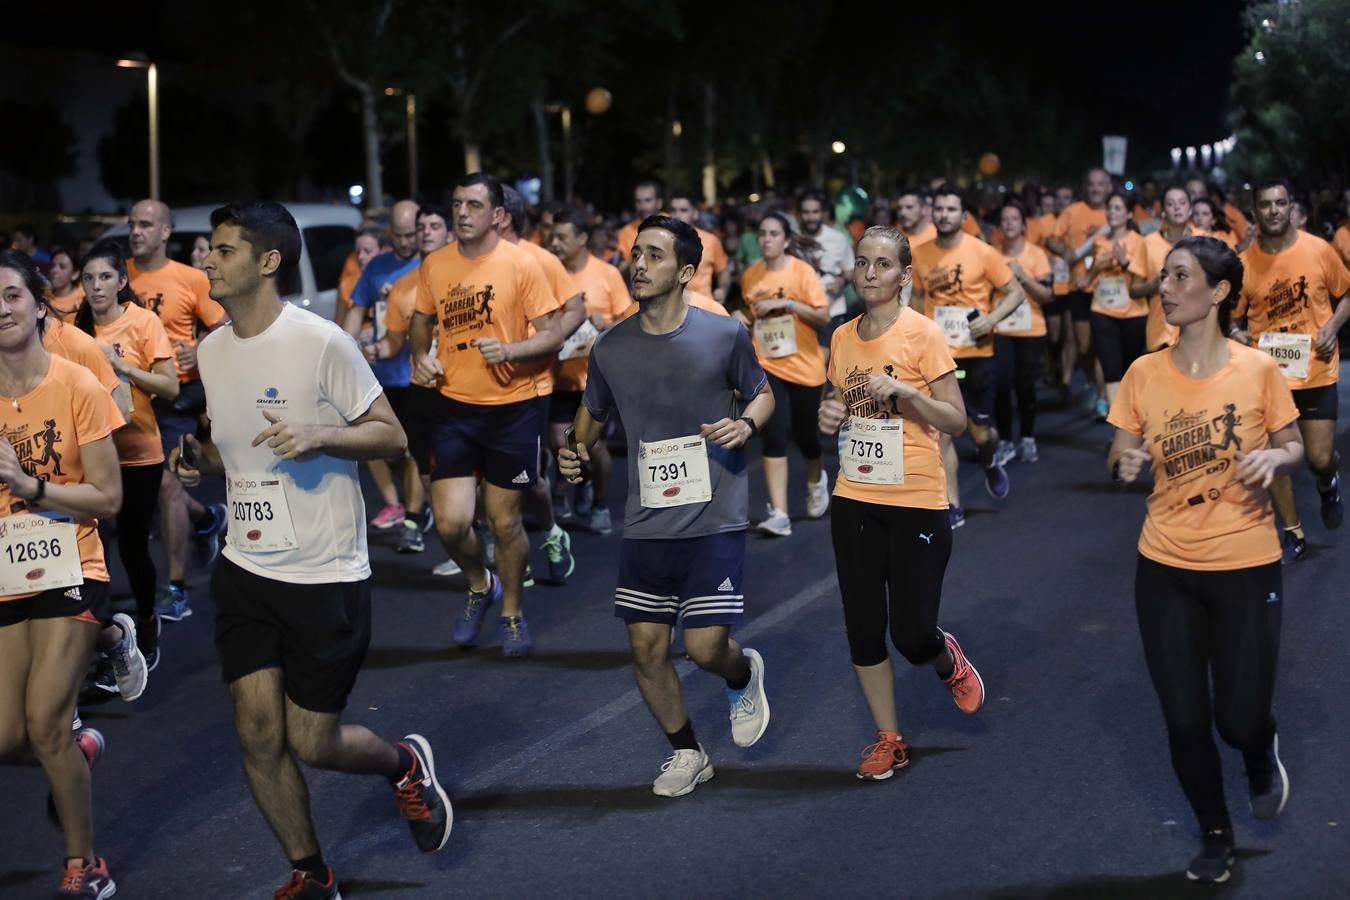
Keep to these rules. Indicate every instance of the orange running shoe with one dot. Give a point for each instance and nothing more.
(965, 683)
(880, 760)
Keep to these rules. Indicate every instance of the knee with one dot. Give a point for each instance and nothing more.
(1321, 458)
(258, 738)
(705, 654)
(453, 525)
(650, 652)
(311, 749)
(504, 523)
(916, 649)
(48, 735)
(1186, 730)
(1248, 736)
(13, 739)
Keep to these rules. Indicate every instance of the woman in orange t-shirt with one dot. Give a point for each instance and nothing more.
(58, 477)
(784, 305)
(1211, 222)
(1119, 284)
(65, 296)
(1019, 340)
(1215, 421)
(892, 380)
(135, 343)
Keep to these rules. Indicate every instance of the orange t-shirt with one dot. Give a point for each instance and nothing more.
(714, 261)
(925, 235)
(1199, 515)
(138, 337)
(1291, 291)
(399, 304)
(1237, 220)
(66, 307)
(627, 235)
(1040, 228)
(912, 351)
(1036, 263)
(856, 227)
(1141, 214)
(494, 295)
(555, 273)
(1158, 332)
(963, 276)
(351, 274)
(1228, 237)
(970, 225)
(1073, 227)
(71, 343)
(605, 294)
(67, 410)
(1341, 241)
(1137, 268)
(798, 282)
(179, 295)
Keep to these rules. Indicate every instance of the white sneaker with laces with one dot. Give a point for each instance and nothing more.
(128, 663)
(1004, 453)
(1027, 451)
(776, 523)
(683, 772)
(447, 568)
(750, 706)
(818, 497)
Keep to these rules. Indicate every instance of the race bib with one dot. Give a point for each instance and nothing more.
(873, 451)
(37, 554)
(1112, 292)
(580, 343)
(381, 307)
(954, 324)
(776, 336)
(1291, 352)
(260, 517)
(1017, 323)
(1059, 270)
(674, 472)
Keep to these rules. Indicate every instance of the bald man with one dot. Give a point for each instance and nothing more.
(180, 296)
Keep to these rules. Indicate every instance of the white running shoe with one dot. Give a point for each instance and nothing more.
(1004, 453)
(683, 772)
(128, 663)
(447, 568)
(1027, 451)
(818, 497)
(777, 524)
(749, 707)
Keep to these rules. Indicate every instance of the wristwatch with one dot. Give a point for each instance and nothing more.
(754, 429)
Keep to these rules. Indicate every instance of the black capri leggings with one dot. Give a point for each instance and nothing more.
(890, 561)
(140, 497)
(1019, 361)
(796, 410)
(1224, 624)
(1118, 343)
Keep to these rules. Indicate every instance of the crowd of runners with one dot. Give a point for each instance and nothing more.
(484, 358)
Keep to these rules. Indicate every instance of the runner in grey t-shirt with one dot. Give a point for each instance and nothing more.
(675, 375)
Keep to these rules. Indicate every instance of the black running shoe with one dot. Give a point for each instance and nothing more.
(1268, 782)
(422, 800)
(1333, 510)
(1214, 863)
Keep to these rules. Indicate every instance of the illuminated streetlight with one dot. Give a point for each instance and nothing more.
(838, 147)
(139, 61)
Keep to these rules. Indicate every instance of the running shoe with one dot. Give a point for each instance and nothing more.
(1268, 782)
(104, 680)
(600, 522)
(304, 886)
(173, 604)
(91, 744)
(127, 661)
(90, 881)
(749, 706)
(410, 541)
(956, 516)
(470, 622)
(77, 723)
(516, 637)
(996, 481)
(1004, 453)
(149, 643)
(422, 800)
(776, 524)
(882, 759)
(683, 772)
(1333, 510)
(447, 568)
(427, 520)
(558, 550)
(1292, 547)
(965, 683)
(585, 500)
(1101, 409)
(206, 539)
(1026, 450)
(387, 518)
(1214, 863)
(818, 497)
(1090, 399)
(529, 576)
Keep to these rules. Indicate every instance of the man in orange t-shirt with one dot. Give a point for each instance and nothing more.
(1072, 242)
(479, 297)
(713, 276)
(648, 200)
(966, 286)
(1292, 306)
(181, 296)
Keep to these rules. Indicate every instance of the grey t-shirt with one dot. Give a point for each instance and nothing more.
(670, 385)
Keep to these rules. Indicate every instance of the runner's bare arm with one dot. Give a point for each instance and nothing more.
(945, 410)
(426, 369)
(550, 333)
(1006, 301)
(375, 434)
(1285, 453)
(732, 433)
(98, 496)
(354, 319)
(122, 397)
(1326, 336)
(1128, 458)
(206, 456)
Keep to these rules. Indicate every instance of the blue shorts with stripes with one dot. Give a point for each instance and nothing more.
(696, 581)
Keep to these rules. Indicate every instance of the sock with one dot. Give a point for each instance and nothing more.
(740, 684)
(180, 583)
(1296, 531)
(945, 664)
(405, 764)
(684, 738)
(311, 865)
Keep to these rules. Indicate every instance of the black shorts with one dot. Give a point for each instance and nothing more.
(89, 602)
(398, 400)
(1055, 307)
(978, 377)
(501, 443)
(419, 406)
(1319, 403)
(317, 634)
(1079, 305)
(563, 406)
(179, 417)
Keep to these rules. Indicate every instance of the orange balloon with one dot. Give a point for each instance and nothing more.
(598, 101)
(989, 164)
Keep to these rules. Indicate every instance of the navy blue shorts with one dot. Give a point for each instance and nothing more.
(501, 443)
(694, 580)
(177, 419)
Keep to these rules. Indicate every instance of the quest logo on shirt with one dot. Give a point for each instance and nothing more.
(271, 397)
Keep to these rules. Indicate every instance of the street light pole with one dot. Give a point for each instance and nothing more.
(567, 153)
(152, 85)
(412, 145)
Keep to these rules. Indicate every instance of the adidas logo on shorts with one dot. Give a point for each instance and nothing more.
(73, 593)
(726, 585)
(522, 478)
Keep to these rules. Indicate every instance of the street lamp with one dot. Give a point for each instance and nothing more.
(139, 61)
(565, 115)
(410, 114)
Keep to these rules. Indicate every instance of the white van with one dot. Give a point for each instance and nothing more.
(328, 234)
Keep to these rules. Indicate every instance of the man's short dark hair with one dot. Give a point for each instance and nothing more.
(514, 204)
(947, 189)
(688, 247)
(267, 226)
(911, 191)
(494, 187)
(652, 183)
(579, 221)
(683, 194)
(812, 194)
(432, 208)
(1266, 184)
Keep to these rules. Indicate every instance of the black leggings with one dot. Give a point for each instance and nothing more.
(796, 410)
(1118, 342)
(890, 561)
(1226, 625)
(140, 497)
(1020, 362)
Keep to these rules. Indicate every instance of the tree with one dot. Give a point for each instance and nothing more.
(39, 152)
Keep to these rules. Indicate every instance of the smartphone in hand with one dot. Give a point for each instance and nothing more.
(187, 453)
(570, 441)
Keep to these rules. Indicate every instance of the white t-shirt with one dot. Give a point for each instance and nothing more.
(304, 369)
